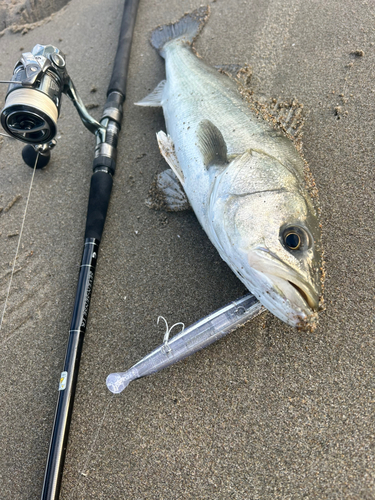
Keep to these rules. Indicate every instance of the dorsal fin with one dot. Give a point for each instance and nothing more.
(211, 143)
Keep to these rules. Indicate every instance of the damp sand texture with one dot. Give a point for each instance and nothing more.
(268, 412)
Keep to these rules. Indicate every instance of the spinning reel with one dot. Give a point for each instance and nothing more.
(33, 102)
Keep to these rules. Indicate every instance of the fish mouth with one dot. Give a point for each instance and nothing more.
(307, 298)
(298, 293)
(301, 294)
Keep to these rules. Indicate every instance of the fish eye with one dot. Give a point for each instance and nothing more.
(292, 241)
(294, 238)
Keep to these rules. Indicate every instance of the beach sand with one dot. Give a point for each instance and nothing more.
(267, 413)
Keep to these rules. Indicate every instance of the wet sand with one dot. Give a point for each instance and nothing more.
(268, 412)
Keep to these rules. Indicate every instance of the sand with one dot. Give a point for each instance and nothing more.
(266, 413)
(18, 15)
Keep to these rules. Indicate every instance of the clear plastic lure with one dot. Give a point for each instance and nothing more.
(190, 340)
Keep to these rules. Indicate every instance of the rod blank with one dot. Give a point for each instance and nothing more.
(100, 191)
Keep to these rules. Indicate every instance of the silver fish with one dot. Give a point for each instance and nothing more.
(245, 180)
(197, 336)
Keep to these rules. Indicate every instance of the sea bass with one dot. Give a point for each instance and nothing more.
(245, 180)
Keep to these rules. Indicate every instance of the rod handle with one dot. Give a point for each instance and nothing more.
(100, 192)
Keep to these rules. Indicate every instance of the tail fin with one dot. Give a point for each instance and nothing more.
(186, 29)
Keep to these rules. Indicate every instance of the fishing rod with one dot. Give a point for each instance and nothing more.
(32, 107)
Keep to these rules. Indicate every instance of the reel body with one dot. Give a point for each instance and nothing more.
(33, 100)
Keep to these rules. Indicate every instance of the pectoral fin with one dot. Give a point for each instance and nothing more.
(211, 143)
(229, 69)
(290, 114)
(166, 193)
(154, 99)
(167, 149)
(242, 73)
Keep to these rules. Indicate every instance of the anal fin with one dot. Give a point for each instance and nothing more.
(153, 100)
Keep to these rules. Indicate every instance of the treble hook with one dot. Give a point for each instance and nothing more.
(168, 330)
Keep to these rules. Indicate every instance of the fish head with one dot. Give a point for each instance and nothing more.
(268, 230)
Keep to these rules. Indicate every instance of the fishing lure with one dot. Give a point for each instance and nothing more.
(190, 340)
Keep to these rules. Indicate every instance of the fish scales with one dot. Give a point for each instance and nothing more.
(244, 179)
(194, 90)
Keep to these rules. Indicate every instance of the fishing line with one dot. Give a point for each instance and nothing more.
(19, 242)
(91, 449)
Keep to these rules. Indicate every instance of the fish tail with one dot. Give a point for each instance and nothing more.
(186, 29)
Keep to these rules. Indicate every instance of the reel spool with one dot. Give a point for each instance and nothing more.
(30, 116)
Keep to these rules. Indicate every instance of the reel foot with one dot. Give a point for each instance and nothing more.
(29, 157)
